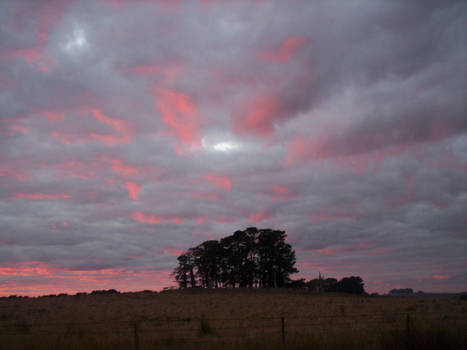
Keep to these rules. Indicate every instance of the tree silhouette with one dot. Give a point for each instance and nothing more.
(353, 284)
(249, 258)
(184, 272)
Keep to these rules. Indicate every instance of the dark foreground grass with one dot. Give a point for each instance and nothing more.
(239, 319)
(431, 338)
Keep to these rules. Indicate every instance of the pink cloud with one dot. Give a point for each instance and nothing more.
(66, 280)
(201, 220)
(279, 192)
(124, 134)
(50, 14)
(121, 167)
(13, 170)
(179, 114)
(38, 58)
(259, 216)
(287, 49)
(154, 220)
(21, 195)
(30, 268)
(133, 190)
(60, 226)
(174, 252)
(257, 116)
(167, 72)
(17, 128)
(146, 218)
(120, 126)
(326, 251)
(53, 115)
(302, 150)
(78, 169)
(220, 181)
(223, 219)
(440, 277)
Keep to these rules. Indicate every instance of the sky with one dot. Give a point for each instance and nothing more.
(131, 131)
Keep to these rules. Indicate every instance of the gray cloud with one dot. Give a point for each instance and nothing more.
(131, 132)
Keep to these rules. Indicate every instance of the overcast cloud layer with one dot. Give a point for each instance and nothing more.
(133, 130)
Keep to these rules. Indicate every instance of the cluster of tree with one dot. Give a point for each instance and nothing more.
(250, 258)
(401, 291)
(352, 284)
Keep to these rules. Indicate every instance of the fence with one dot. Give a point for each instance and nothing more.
(197, 330)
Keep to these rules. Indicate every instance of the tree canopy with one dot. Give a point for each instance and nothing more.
(250, 258)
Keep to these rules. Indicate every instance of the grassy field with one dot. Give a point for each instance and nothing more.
(232, 319)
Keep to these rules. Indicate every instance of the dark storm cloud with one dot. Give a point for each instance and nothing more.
(133, 130)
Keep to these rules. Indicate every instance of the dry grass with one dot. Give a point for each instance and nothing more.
(231, 319)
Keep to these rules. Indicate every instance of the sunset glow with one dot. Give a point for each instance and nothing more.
(133, 130)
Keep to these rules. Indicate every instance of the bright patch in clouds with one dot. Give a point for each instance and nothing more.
(223, 146)
(76, 41)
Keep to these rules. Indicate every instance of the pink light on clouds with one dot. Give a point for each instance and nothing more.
(179, 114)
(173, 252)
(440, 277)
(120, 126)
(37, 195)
(304, 149)
(133, 190)
(50, 15)
(201, 220)
(78, 169)
(257, 116)
(121, 167)
(154, 220)
(30, 268)
(165, 72)
(279, 192)
(220, 181)
(224, 219)
(326, 251)
(56, 116)
(64, 280)
(147, 218)
(12, 173)
(60, 226)
(259, 216)
(287, 49)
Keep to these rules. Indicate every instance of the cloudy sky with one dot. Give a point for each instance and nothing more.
(132, 130)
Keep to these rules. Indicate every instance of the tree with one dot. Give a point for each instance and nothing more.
(249, 258)
(353, 284)
(276, 259)
(184, 272)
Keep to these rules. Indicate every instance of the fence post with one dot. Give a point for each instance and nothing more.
(408, 341)
(283, 330)
(136, 334)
